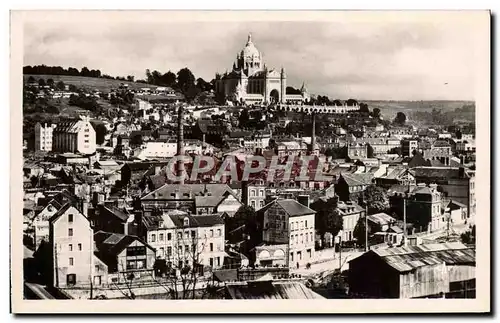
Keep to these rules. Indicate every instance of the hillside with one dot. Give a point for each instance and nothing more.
(101, 84)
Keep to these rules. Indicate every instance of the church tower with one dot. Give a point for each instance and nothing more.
(283, 86)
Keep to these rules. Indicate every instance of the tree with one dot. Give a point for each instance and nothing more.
(243, 118)
(85, 71)
(41, 82)
(328, 218)
(31, 80)
(169, 79)
(60, 86)
(376, 199)
(50, 82)
(185, 80)
(351, 102)
(469, 237)
(73, 88)
(130, 78)
(363, 107)
(400, 118)
(376, 113)
(359, 232)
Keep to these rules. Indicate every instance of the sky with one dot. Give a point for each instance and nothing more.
(367, 59)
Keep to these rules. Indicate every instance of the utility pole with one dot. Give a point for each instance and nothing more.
(340, 252)
(366, 228)
(404, 222)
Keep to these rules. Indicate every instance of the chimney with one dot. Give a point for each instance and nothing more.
(313, 135)
(244, 193)
(303, 199)
(180, 143)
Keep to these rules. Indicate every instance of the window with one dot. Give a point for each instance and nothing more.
(169, 236)
(162, 251)
(252, 193)
(193, 248)
(291, 227)
(179, 235)
(70, 232)
(136, 251)
(218, 261)
(169, 251)
(253, 204)
(211, 233)
(301, 238)
(211, 247)
(86, 136)
(96, 268)
(261, 203)
(86, 141)
(186, 235)
(70, 247)
(306, 224)
(161, 237)
(219, 232)
(193, 234)
(261, 192)
(71, 261)
(153, 238)
(70, 217)
(80, 247)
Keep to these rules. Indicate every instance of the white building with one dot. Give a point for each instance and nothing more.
(72, 247)
(75, 136)
(182, 239)
(157, 149)
(43, 137)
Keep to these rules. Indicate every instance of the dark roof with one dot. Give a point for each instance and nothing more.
(112, 244)
(357, 179)
(292, 207)
(439, 172)
(454, 205)
(226, 275)
(441, 143)
(196, 221)
(61, 211)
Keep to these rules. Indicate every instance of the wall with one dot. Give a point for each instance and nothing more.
(302, 230)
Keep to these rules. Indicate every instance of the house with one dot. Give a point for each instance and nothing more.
(41, 222)
(254, 194)
(71, 248)
(380, 222)
(445, 270)
(134, 172)
(109, 218)
(44, 137)
(455, 183)
(440, 150)
(349, 186)
(424, 208)
(182, 240)
(351, 213)
(458, 212)
(124, 257)
(286, 221)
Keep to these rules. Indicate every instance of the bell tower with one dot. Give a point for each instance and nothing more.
(283, 86)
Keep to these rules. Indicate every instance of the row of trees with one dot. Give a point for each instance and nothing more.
(71, 71)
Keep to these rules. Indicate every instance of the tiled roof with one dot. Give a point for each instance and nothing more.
(381, 218)
(292, 207)
(166, 191)
(196, 221)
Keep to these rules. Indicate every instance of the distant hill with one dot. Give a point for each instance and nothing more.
(94, 83)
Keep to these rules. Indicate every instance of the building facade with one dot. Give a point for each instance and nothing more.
(44, 137)
(252, 82)
(75, 136)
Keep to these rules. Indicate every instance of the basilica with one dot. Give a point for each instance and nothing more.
(252, 82)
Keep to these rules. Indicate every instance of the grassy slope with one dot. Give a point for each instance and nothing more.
(100, 84)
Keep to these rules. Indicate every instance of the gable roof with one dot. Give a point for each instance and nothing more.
(357, 179)
(166, 191)
(196, 221)
(291, 207)
(382, 218)
(62, 211)
(439, 172)
(408, 258)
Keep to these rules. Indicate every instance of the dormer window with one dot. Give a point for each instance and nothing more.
(186, 222)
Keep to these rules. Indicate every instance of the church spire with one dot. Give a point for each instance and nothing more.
(249, 38)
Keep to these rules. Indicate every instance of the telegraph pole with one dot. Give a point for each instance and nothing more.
(366, 228)
(404, 222)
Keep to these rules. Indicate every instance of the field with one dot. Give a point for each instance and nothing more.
(91, 83)
(389, 109)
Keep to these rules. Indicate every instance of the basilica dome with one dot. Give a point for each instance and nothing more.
(250, 50)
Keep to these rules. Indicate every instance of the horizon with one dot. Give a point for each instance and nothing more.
(395, 60)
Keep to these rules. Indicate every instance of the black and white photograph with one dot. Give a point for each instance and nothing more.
(184, 157)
